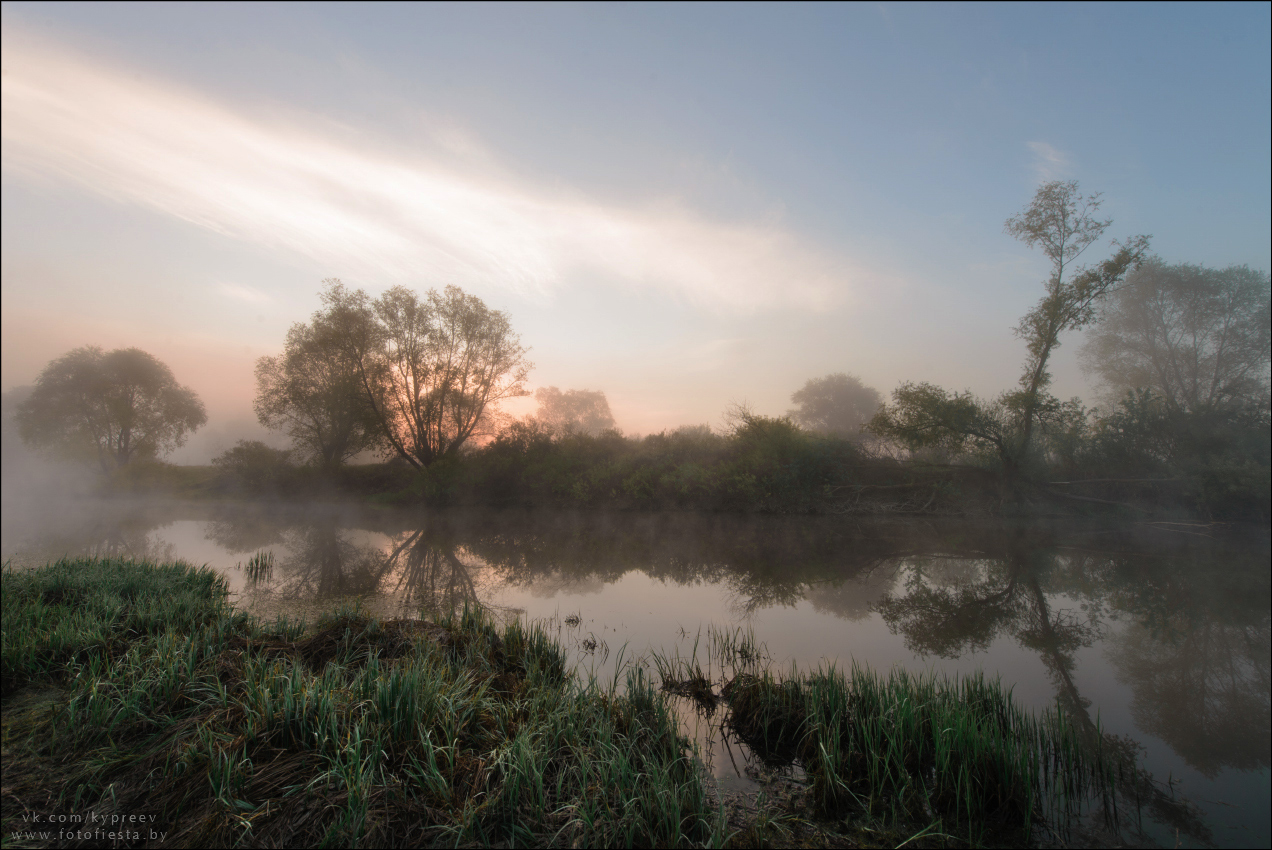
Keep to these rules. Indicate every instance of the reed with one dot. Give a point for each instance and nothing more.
(360, 732)
(259, 567)
(355, 732)
(907, 748)
(900, 750)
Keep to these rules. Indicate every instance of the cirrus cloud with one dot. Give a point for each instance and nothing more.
(383, 216)
(1049, 162)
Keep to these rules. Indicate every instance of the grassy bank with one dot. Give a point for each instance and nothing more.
(221, 732)
(136, 701)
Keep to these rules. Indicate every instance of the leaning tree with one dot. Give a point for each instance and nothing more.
(1064, 224)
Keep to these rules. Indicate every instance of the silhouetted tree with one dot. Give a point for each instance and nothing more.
(836, 404)
(313, 390)
(444, 361)
(1063, 222)
(1198, 338)
(927, 416)
(432, 369)
(112, 408)
(574, 411)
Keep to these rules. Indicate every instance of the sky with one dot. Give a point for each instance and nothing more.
(684, 206)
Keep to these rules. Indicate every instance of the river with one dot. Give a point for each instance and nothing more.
(1154, 635)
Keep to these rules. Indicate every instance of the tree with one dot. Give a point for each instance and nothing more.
(432, 370)
(112, 408)
(254, 465)
(836, 404)
(1063, 223)
(313, 390)
(574, 411)
(926, 416)
(444, 363)
(1197, 337)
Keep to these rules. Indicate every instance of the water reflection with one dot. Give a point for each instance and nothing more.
(1055, 603)
(423, 574)
(428, 573)
(1179, 622)
(1204, 691)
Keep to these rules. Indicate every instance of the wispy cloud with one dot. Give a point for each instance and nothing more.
(393, 218)
(250, 294)
(1049, 163)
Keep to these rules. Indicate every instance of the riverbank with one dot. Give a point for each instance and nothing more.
(131, 691)
(868, 487)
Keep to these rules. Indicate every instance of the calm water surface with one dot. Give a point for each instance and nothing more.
(1158, 633)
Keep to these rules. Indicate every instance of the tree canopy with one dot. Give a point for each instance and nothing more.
(431, 369)
(574, 411)
(111, 408)
(1197, 337)
(836, 404)
(1063, 222)
(313, 390)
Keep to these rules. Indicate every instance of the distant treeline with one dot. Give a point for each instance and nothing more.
(1181, 355)
(1140, 458)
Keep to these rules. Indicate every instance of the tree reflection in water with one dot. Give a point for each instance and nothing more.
(323, 563)
(428, 574)
(1195, 651)
(1197, 655)
(243, 532)
(421, 573)
(1205, 691)
(102, 535)
(130, 540)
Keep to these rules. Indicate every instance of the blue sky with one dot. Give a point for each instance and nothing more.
(682, 206)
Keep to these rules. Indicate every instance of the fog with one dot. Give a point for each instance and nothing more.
(577, 313)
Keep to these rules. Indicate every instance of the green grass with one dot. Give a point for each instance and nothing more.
(356, 732)
(133, 688)
(902, 749)
(77, 609)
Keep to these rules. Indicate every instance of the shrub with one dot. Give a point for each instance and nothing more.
(253, 466)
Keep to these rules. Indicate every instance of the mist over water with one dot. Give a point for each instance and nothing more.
(1156, 632)
(673, 323)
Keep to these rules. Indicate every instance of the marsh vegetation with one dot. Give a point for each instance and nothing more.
(355, 731)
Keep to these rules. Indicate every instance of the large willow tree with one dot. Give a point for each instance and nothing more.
(430, 370)
(313, 390)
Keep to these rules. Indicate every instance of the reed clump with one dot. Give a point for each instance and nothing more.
(355, 732)
(906, 749)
